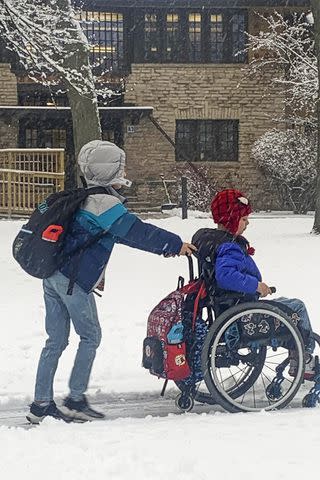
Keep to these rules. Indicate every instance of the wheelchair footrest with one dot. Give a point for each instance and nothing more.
(313, 397)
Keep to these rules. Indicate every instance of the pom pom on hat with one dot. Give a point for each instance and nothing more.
(228, 206)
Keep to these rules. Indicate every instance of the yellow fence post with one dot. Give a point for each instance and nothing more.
(9, 185)
(61, 168)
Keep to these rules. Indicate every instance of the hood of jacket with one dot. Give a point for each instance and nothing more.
(103, 163)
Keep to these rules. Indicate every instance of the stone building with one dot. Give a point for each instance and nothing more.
(187, 99)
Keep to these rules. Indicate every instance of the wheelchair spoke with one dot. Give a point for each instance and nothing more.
(242, 399)
(271, 363)
(266, 376)
(276, 354)
(254, 396)
(232, 375)
(264, 387)
(272, 369)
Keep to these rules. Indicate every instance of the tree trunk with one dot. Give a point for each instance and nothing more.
(86, 127)
(82, 97)
(315, 7)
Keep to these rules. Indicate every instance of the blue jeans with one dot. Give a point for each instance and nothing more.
(299, 307)
(80, 308)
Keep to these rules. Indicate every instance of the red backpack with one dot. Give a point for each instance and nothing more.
(164, 348)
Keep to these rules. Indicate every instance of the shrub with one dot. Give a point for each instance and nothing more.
(288, 160)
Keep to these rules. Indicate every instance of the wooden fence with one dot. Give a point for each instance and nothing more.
(27, 177)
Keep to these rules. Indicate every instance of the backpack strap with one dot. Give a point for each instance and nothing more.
(199, 287)
(202, 293)
(191, 287)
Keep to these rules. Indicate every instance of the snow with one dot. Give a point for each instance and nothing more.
(206, 444)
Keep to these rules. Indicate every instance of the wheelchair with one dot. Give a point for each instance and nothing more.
(246, 355)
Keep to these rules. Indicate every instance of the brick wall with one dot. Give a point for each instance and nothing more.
(8, 96)
(199, 92)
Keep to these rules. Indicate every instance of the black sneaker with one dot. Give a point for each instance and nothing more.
(80, 410)
(38, 413)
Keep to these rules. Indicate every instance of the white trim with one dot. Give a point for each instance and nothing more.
(41, 107)
(35, 150)
(34, 173)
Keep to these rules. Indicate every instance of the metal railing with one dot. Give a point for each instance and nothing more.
(27, 177)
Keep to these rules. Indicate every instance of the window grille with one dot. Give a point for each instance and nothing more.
(173, 37)
(195, 37)
(207, 140)
(238, 37)
(151, 37)
(105, 34)
(45, 138)
(216, 38)
(205, 36)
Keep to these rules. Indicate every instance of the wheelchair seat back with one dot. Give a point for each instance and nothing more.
(207, 241)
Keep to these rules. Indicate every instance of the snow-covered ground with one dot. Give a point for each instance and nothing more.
(209, 444)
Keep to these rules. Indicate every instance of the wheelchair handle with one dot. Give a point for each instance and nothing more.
(191, 270)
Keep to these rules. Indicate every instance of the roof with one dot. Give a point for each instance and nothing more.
(45, 107)
(122, 112)
(105, 6)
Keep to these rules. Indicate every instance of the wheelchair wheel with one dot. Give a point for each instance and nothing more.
(246, 357)
(317, 340)
(250, 371)
(312, 399)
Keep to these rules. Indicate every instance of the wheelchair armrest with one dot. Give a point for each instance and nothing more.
(232, 296)
(229, 296)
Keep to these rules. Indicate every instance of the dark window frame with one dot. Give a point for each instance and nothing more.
(110, 46)
(233, 38)
(207, 140)
(44, 137)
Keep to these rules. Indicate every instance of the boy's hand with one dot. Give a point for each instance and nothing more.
(187, 249)
(263, 289)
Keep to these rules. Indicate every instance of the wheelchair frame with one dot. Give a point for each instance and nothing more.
(229, 348)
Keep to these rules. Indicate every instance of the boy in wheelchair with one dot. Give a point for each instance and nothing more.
(225, 258)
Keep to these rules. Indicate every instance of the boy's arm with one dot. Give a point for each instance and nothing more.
(131, 231)
(229, 262)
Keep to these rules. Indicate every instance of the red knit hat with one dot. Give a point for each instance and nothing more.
(228, 206)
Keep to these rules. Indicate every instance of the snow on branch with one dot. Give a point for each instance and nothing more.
(285, 48)
(288, 159)
(49, 41)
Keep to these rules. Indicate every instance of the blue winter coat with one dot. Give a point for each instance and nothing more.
(236, 270)
(106, 213)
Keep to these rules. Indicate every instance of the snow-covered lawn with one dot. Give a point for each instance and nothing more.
(281, 445)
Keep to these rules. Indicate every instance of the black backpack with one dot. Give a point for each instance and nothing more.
(38, 247)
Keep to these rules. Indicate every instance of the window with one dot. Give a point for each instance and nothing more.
(45, 138)
(31, 138)
(104, 31)
(195, 37)
(238, 37)
(207, 140)
(151, 37)
(227, 37)
(207, 36)
(216, 38)
(172, 36)
(31, 95)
